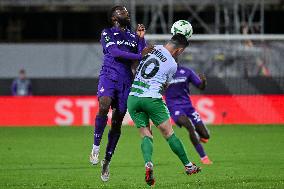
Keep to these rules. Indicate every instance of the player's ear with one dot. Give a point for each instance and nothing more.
(177, 52)
(181, 50)
(113, 19)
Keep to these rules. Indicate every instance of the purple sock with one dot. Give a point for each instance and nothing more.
(200, 150)
(100, 126)
(113, 138)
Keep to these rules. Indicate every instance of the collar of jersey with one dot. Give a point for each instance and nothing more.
(165, 50)
(116, 29)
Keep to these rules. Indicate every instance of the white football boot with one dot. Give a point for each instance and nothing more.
(94, 157)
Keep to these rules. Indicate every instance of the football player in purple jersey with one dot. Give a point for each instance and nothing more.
(121, 48)
(182, 111)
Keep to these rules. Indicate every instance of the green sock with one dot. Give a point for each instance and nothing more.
(147, 148)
(178, 148)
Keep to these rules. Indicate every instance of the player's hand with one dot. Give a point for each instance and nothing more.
(140, 30)
(147, 50)
(134, 66)
(202, 77)
(204, 81)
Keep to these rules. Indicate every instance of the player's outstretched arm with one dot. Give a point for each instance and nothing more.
(109, 45)
(147, 50)
(140, 31)
(116, 52)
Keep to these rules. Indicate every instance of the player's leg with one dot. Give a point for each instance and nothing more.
(179, 115)
(100, 124)
(101, 118)
(114, 133)
(141, 121)
(201, 131)
(160, 116)
(119, 107)
(113, 137)
(105, 94)
(177, 147)
(147, 151)
(146, 142)
(185, 122)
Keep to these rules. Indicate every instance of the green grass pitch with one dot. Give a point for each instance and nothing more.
(244, 157)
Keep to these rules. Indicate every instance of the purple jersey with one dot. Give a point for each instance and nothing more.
(21, 87)
(178, 92)
(120, 48)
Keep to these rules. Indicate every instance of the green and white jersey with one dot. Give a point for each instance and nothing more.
(153, 73)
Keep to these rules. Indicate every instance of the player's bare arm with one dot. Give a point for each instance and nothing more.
(203, 84)
(144, 52)
(147, 50)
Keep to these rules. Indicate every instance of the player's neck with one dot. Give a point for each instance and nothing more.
(121, 28)
(170, 49)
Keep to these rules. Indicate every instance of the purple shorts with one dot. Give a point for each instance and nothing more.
(117, 90)
(189, 111)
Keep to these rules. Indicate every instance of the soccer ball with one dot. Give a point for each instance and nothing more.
(183, 27)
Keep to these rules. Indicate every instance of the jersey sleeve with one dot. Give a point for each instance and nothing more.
(116, 52)
(141, 44)
(194, 78)
(107, 39)
(110, 46)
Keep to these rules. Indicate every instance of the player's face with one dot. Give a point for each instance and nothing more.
(22, 75)
(122, 17)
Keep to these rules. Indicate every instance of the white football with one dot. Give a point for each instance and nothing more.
(183, 27)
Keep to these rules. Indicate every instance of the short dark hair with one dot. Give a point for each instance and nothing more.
(112, 10)
(179, 41)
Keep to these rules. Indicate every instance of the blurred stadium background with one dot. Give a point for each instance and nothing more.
(238, 44)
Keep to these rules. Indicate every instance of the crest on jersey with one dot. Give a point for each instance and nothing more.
(182, 71)
(102, 90)
(107, 39)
